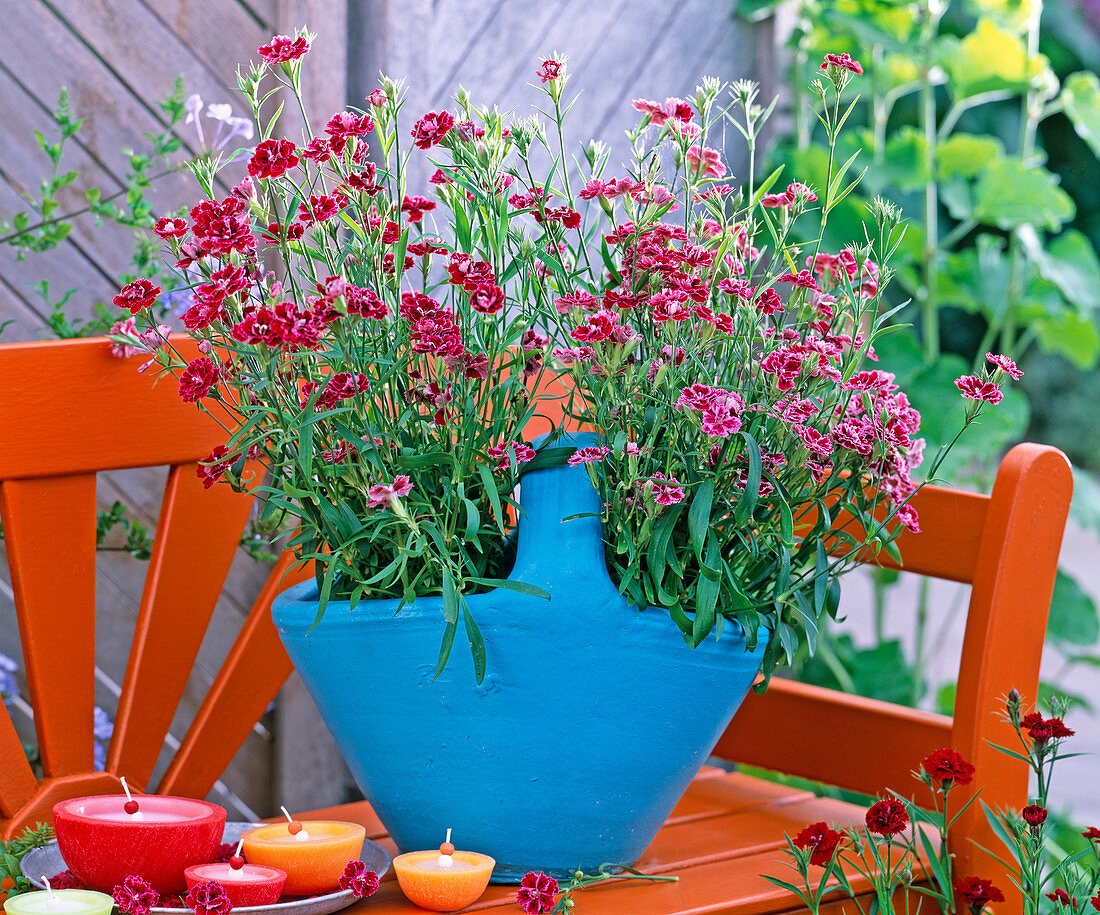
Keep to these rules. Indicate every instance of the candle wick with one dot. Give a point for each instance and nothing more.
(49, 889)
(286, 813)
(448, 835)
(125, 787)
(240, 845)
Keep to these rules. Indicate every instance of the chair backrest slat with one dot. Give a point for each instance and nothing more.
(1006, 626)
(956, 519)
(96, 413)
(49, 529)
(254, 671)
(17, 782)
(844, 740)
(196, 537)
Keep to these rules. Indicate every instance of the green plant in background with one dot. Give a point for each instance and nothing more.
(11, 853)
(951, 122)
(43, 226)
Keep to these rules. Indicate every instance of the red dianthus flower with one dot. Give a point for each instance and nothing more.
(975, 892)
(432, 128)
(137, 295)
(948, 768)
(887, 817)
(536, 893)
(359, 880)
(272, 158)
(822, 840)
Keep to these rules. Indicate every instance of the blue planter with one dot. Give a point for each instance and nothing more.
(590, 723)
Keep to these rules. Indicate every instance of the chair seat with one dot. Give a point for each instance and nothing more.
(726, 831)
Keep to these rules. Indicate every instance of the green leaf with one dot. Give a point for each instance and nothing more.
(510, 584)
(1073, 616)
(477, 645)
(1011, 194)
(906, 167)
(1072, 335)
(494, 497)
(966, 155)
(747, 502)
(445, 647)
(706, 596)
(1081, 101)
(450, 597)
(988, 58)
(1070, 262)
(699, 515)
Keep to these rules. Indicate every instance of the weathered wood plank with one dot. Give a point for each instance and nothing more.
(231, 38)
(265, 12)
(456, 27)
(325, 68)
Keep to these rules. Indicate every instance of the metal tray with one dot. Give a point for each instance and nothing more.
(47, 860)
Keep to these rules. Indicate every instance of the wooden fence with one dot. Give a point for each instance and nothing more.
(119, 57)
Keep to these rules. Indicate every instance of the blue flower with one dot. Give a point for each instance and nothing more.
(102, 729)
(9, 686)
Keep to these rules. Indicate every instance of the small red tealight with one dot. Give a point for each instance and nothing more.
(247, 885)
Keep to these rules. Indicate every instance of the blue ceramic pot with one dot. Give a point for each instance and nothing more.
(591, 721)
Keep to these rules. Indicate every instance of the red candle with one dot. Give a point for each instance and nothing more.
(102, 844)
(250, 884)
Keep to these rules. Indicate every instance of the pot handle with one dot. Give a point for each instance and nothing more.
(551, 549)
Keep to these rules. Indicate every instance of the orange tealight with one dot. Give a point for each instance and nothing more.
(440, 887)
(313, 857)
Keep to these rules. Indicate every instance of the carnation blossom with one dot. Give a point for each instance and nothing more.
(1034, 815)
(946, 767)
(593, 454)
(1005, 364)
(384, 494)
(536, 893)
(209, 898)
(550, 70)
(975, 892)
(135, 896)
(842, 62)
(431, 129)
(359, 880)
(887, 817)
(137, 295)
(822, 842)
(283, 49)
(973, 388)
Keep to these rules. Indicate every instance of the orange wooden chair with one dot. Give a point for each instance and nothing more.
(72, 410)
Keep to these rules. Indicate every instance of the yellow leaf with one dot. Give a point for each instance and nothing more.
(991, 58)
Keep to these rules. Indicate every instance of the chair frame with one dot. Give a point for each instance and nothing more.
(94, 412)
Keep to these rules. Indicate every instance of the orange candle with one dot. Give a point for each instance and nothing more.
(444, 880)
(313, 855)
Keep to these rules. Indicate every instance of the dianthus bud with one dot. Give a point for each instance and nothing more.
(462, 96)
(1012, 705)
(885, 213)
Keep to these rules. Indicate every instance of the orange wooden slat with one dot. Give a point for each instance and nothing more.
(952, 523)
(861, 744)
(109, 418)
(39, 809)
(49, 528)
(197, 536)
(17, 782)
(253, 672)
(1004, 637)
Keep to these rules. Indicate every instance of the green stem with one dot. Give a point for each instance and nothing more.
(930, 318)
